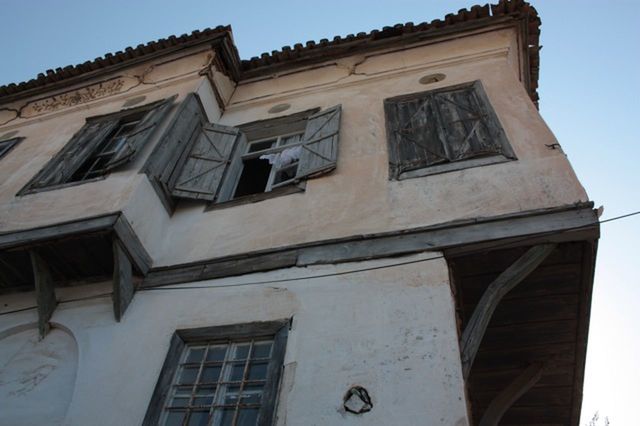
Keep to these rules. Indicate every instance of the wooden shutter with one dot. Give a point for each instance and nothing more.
(175, 140)
(412, 128)
(320, 143)
(140, 135)
(232, 174)
(203, 168)
(60, 169)
(466, 125)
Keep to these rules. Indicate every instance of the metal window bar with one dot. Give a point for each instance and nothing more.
(219, 405)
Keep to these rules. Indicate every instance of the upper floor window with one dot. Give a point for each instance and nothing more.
(200, 160)
(100, 146)
(220, 376)
(443, 130)
(7, 144)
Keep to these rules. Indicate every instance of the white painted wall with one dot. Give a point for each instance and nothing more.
(390, 330)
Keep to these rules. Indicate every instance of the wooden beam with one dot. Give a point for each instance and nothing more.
(556, 225)
(45, 293)
(505, 399)
(506, 281)
(122, 280)
(132, 245)
(57, 231)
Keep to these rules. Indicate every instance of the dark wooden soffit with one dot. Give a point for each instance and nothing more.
(298, 55)
(545, 319)
(573, 223)
(116, 223)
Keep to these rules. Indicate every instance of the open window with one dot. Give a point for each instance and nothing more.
(7, 145)
(103, 144)
(443, 130)
(205, 161)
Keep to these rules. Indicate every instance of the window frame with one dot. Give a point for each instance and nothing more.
(6, 145)
(393, 142)
(32, 186)
(181, 339)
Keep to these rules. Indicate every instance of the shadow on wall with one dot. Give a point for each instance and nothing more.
(37, 378)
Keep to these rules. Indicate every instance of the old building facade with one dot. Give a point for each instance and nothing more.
(378, 229)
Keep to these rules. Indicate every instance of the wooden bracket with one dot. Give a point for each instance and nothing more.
(122, 279)
(506, 281)
(45, 292)
(505, 399)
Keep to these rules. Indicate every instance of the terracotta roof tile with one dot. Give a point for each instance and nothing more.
(299, 54)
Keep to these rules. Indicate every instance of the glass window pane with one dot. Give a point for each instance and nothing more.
(195, 355)
(226, 417)
(247, 417)
(241, 351)
(252, 394)
(204, 401)
(291, 139)
(261, 350)
(182, 390)
(286, 174)
(210, 374)
(205, 390)
(232, 395)
(259, 146)
(179, 402)
(188, 375)
(216, 353)
(237, 371)
(258, 371)
(198, 418)
(174, 418)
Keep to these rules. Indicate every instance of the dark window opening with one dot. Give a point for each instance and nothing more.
(254, 177)
(94, 166)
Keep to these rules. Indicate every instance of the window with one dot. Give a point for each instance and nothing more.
(100, 146)
(205, 161)
(6, 145)
(443, 130)
(220, 376)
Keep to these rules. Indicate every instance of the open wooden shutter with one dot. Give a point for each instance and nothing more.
(175, 141)
(203, 169)
(232, 174)
(468, 125)
(413, 134)
(60, 169)
(140, 135)
(320, 148)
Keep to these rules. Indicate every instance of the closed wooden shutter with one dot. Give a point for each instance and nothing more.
(60, 169)
(443, 126)
(467, 127)
(203, 169)
(140, 135)
(413, 127)
(320, 148)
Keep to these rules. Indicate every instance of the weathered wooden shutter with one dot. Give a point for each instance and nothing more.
(232, 174)
(140, 135)
(203, 169)
(176, 139)
(412, 125)
(467, 126)
(76, 151)
(320, 148)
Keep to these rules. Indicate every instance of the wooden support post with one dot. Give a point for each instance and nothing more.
(122, 280)
(505, 399)
(45, 293)
(506, 281)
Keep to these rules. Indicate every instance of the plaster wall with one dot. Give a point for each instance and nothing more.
(357, 198)
(391, 330)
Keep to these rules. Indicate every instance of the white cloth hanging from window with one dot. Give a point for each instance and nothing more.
(284, 158)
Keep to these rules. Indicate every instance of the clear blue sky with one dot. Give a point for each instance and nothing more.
(589, 89)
